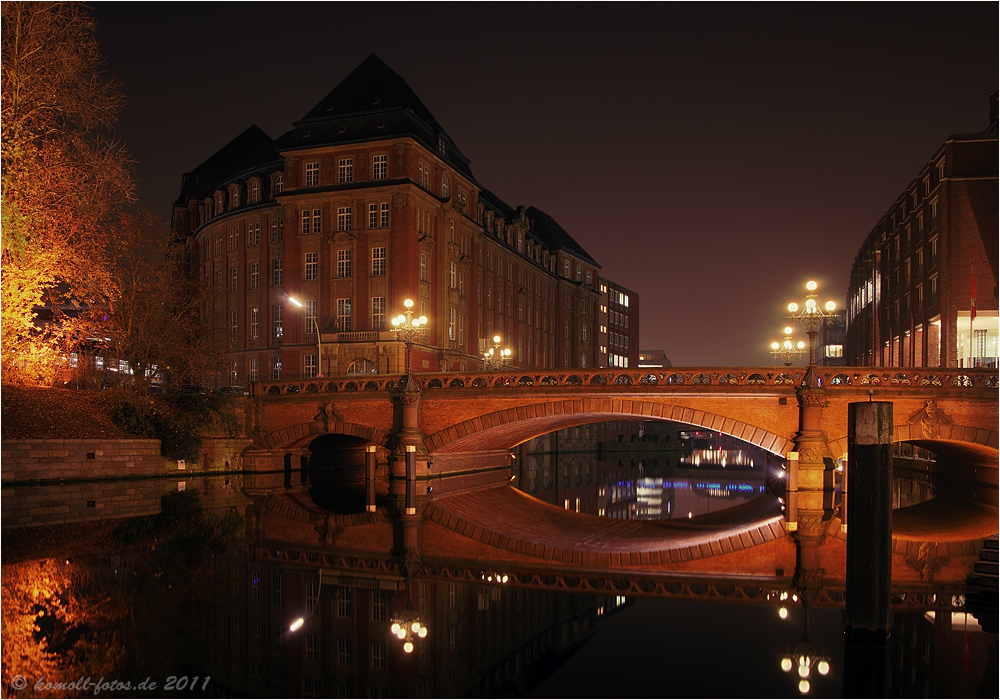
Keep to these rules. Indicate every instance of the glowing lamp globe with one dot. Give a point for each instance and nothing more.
(803, 686)
(823, 667)
(775, 346)
(408, 647)
(408, 303)
(786, 664)
(793, 307)
(811, 285)
(831, 305)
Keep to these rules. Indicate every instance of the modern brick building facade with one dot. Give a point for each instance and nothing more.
(910, 297)
(364, 203)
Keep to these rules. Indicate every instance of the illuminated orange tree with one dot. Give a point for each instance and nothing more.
(65, 173)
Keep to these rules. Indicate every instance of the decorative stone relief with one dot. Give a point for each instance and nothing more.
(930, 418)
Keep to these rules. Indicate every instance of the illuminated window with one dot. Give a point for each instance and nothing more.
(451, 323)
(452, 275)
(379, 166)
(378, 313)
(312, 174)
(309, 366)
(254, 324)
(345, 170)
(312, 266)
(834, 350)
(277, 329)
(276, 375)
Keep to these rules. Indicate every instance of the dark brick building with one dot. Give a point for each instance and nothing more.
(910, 294)
(364, 203)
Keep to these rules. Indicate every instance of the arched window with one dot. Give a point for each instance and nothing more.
(279, 183)
(255, 192)
(362, 366)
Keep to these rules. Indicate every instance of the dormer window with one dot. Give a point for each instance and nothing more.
(255, 192)
(442, 146)
(236, 196)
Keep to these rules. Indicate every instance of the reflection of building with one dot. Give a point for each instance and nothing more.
(482, 638)
(365, 202)
(931, 655)
(916, 266)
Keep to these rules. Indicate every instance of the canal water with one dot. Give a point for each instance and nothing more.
(184, 601)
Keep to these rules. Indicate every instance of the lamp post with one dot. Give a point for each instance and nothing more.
(496, 358)
(319, 338)
(788, 350)
(812, 317)
(408, 628)
(408, 329)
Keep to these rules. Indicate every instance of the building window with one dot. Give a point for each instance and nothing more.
(254, 323)
(424, 176)
(461, 283)
(311, 308)
(306, 222)
(312, 647)
(451, 323)
(445, 186)
(379, 164)
(344, 219)
(309, 366)
(252, 368)
(344, 263)
(934, 289)
(345, 603)
(378, 261)
(277, 230)
(384, 215)
(452, 275)
(344, 315)
(312, 266)
(345, 652)
(378, 606)
(236, 196)
(253, 234)
(277, 272)
(276, 327)
(373, 216)
(345, 170)
(312, 174)
(276, 375)
(254, 275)
(378, 313)
(235, 326)
(378, 655)
(255, 192)
(834, 350)
(233, 279)
(566, 269)
(317, 221)
(423, 267)
(579, 274)
(279, 184)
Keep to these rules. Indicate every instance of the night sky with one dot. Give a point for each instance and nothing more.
(711, 157)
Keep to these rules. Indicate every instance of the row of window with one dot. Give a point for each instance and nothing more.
(345, 170)
(310, 268)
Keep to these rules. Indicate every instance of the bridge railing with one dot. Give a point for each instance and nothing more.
(678, 378)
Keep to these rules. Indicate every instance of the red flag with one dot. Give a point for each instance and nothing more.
(972, 292)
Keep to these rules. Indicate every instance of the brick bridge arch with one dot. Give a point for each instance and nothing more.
(299, 434)
(506, 428)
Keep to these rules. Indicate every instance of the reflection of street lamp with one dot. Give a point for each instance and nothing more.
(496, 358)
(408, 628)
(812, 317)
(804, 658)
(319, 339)
(408, 329)
(788, 350)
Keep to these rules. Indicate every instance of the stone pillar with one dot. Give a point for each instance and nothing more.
(807, 486)
(370, 467)
(869, 528)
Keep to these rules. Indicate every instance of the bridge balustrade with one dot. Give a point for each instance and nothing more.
(670, 379)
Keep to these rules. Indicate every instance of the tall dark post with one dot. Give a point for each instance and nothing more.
(869, 527)
(370, 478)
(411, 480)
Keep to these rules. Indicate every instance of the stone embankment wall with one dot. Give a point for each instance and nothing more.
(52, 481)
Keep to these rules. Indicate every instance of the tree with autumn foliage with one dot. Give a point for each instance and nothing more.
(66, 174)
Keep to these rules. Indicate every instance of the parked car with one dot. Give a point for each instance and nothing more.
(233, 391)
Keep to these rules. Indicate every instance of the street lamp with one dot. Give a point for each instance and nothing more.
(319, 339)
(408, 329)
(812, 317)
(788, 350)
(408, 628)
(805, 658)
(496, 358)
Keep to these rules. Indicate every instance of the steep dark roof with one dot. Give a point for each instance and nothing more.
(554, 237)
(235, 156)
(374, 102)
